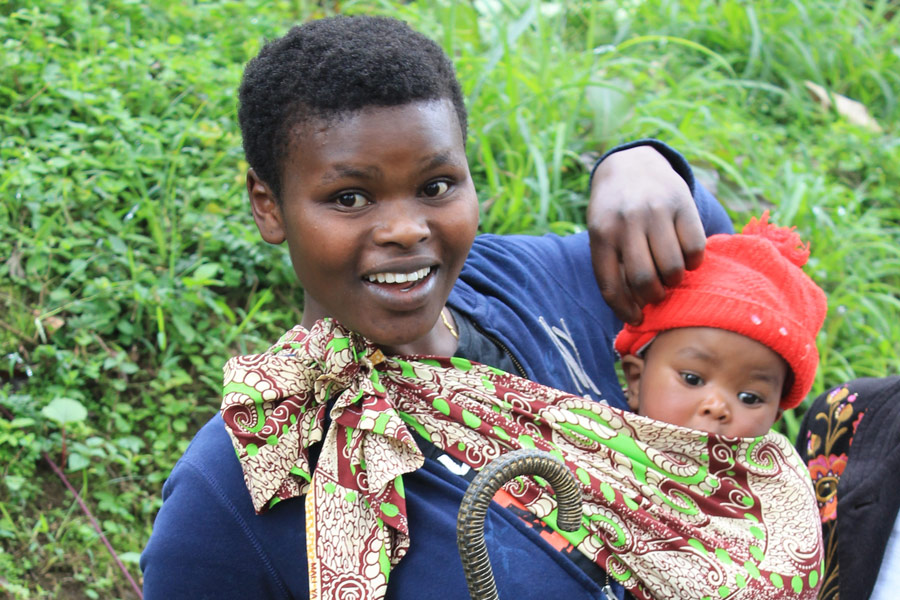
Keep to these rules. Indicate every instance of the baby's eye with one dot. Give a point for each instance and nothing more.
(692, 379)
(435, 188)
(750, 398)
(351, 200)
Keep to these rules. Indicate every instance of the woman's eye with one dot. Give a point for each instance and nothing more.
(692, 379)
(750, 398)
(351, 200)
(436, 188)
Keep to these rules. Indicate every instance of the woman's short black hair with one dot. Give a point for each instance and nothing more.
(327, 68)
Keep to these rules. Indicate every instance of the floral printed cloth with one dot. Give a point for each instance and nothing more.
(669, 512)
(831, 427)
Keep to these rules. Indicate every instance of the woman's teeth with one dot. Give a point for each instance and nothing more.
(399, 277)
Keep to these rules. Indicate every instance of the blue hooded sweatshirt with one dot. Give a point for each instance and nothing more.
(534, 295)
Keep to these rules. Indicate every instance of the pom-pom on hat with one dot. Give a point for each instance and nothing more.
(750, 283)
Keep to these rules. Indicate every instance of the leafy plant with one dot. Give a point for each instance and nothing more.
(130, 268)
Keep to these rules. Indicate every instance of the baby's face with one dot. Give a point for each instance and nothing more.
(379, 213)
(709, 379)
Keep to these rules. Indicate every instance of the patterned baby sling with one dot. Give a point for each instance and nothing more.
(668, 512)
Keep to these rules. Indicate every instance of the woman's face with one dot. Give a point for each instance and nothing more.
(379, 213)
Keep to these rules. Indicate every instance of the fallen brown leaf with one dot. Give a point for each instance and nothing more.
(853, 111)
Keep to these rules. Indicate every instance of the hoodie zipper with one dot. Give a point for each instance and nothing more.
(511, 356)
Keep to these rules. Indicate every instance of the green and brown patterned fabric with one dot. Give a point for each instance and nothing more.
(669, 512)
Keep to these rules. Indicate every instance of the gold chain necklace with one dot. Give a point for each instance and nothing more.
(448, 325)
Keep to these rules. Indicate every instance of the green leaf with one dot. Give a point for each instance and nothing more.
(206, 271)
(78, 462)
(14, 482)
(65, 410)
(130, 557)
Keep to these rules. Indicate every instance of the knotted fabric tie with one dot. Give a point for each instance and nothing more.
(669, 512)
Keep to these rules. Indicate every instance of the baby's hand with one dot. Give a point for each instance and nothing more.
(644, 229)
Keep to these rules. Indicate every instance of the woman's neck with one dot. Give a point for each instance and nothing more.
(441, 340)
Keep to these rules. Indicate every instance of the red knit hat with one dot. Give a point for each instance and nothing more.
(752, 284)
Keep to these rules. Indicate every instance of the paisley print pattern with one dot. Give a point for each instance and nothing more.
(669, 512)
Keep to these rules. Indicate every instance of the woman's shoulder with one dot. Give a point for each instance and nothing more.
(210, 453)
(206, 505)
(534, 247)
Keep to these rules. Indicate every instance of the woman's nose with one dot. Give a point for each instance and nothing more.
(402, 225)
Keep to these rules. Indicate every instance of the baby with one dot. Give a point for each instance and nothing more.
(733, 345)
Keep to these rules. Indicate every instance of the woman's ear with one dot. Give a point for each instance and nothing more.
(266, 209)
(633, 368)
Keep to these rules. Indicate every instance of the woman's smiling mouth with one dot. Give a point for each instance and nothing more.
(399, 277)
(401, 289)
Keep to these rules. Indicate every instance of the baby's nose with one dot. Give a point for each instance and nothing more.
(715, 406)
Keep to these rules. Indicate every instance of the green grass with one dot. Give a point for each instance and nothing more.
(130, 268)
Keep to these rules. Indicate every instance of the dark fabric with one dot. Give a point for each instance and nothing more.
(850, 438)
(537, 296)
(475, 345)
